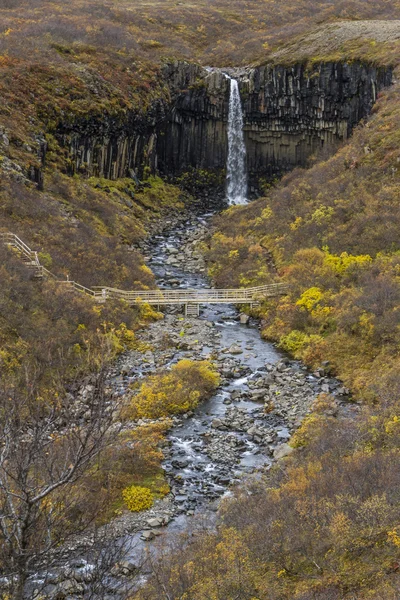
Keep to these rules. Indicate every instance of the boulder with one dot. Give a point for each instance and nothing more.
(147, 535)
(180, 463)
(155, 522)
(235, 349)
(69, 587)
(282, 451)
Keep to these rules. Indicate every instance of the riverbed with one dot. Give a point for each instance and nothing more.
(240, 431)
(246, 425)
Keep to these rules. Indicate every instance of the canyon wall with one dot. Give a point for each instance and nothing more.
(289, 113)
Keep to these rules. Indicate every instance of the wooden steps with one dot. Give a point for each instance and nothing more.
(192, 309)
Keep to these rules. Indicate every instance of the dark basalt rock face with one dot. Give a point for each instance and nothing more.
(289, 114)
(292, 113)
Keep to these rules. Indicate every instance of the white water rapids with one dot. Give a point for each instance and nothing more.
(236, 167)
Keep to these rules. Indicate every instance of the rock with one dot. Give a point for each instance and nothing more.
(223, 480)
(126, 567)
(342, 391)
(218, 424)
(259, 394)
(155, 522)
(244, 319)
(235, 349)
(146, 536)
(69, 587)
(180, 463)
(282, 451)
(288, 101)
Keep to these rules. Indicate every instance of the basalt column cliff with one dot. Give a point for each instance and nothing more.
(289, 113)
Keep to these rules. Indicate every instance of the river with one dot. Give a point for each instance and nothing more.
(241, 430)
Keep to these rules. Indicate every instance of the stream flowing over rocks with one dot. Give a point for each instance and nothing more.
(242, 429)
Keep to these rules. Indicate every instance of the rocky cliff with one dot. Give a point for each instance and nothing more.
(289, 113)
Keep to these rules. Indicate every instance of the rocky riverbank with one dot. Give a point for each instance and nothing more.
(245, 427)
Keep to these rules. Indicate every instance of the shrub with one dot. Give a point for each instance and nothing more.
(137, 498)
(294, 341)
(175, 391)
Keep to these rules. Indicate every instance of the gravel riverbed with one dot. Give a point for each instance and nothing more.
(242, 429)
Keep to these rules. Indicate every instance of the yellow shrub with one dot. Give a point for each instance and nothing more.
(147, 313)
(345, 262)
(175, 391)
(322, 214)
(120, 338)
(307, 431)
(294, 341)
(137, 498)
(197, 373)
(310, 299)
(125, 336)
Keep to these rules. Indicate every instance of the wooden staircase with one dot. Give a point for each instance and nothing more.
(28, 256)
(189, 298)
(192, 309)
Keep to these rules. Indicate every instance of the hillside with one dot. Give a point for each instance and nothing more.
(94, 87)
(369, 39)
(65, 64)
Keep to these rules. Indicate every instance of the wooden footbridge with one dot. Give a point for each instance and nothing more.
(189, 298)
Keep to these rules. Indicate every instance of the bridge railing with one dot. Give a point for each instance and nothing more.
(155, 297)
(81, 288)
(209, 296)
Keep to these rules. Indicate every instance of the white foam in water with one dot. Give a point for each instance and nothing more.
(241, 381)
(236, 167)
(209, 468)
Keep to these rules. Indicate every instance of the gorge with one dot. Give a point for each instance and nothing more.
(200, 152)
(239, 432)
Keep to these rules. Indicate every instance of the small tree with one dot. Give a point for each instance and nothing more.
(44, 450)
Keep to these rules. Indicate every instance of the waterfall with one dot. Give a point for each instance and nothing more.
(236, 168)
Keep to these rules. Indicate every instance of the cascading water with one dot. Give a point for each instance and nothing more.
(236, 168)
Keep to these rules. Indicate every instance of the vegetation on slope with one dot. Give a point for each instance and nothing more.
(331, 232)
(82, 230)
(86, 59)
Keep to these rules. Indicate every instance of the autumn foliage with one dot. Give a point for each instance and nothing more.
(173, 392)
(137, 498)
(323, 526)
